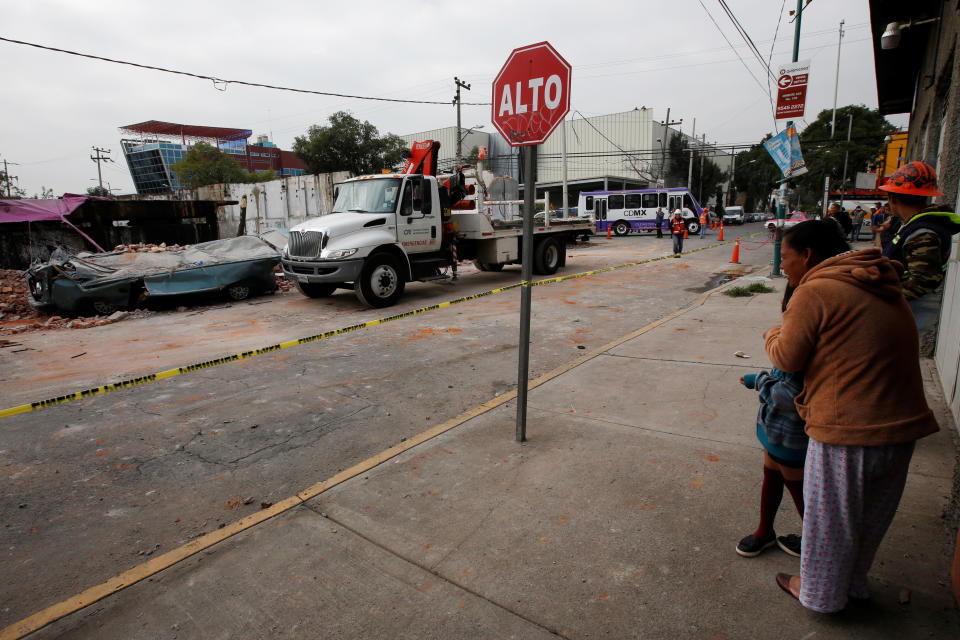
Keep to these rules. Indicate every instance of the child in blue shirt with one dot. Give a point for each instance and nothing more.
(781, 432)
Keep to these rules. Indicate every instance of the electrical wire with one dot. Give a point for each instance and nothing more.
(773, 109)
(221, 84)
(709, 15)
(745, 36)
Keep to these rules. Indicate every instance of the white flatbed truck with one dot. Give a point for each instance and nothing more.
(389, 229)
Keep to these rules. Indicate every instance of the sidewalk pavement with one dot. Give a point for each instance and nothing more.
(617, 518)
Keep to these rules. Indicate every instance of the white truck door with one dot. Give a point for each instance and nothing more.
(419, 227)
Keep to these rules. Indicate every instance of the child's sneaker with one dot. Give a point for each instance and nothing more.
(790, 544)
(752, 546)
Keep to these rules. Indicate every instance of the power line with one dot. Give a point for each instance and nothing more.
(221, 84)
(709, 15)
(746, 37)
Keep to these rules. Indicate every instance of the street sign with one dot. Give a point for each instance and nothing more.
(531, 94)
(792, 90)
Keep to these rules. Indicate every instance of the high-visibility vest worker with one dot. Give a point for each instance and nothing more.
(704, 217)
(677, 225)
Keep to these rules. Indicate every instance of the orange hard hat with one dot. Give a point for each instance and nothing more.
(914, 178)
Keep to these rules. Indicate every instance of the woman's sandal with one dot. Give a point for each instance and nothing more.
(783, 581)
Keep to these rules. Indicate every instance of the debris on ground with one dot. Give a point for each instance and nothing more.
(140, 247)
(17, 315)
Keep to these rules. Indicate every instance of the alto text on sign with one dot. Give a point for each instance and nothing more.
(531, 94)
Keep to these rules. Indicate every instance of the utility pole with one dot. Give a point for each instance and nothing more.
(98, 158)
(565, 195)
(690, 168)
(836, 82)
(665, 141)
(9, 178)
(703, 147)
(782, 206)
(846, 156)
(456, 101)
(733, 170)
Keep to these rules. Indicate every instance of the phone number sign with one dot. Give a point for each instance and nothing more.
(792, 82)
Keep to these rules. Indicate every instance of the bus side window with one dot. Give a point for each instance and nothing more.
(663, 199)
(632, 201)
(688, 202)
(589, 203)
(650, 201)
(615, 202)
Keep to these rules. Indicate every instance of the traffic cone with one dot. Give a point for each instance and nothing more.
(736, 253)
(721, 231)
(685, 234)
(608, 232)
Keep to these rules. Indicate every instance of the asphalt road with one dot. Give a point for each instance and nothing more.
(95, 486)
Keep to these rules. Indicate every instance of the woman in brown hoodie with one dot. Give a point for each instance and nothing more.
(863, 406)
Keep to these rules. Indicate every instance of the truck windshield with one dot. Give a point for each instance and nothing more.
(378, 195)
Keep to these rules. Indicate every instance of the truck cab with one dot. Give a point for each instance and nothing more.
(383, 230)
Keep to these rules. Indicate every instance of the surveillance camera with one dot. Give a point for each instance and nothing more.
(891, 36)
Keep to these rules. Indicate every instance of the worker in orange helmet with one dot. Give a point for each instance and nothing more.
(922, 245)
(704, 221)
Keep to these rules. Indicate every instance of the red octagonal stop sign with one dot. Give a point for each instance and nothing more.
(531, 94)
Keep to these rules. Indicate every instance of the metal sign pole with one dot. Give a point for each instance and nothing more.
(526, 272)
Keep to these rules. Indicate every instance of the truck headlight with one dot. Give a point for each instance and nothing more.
(341, 253)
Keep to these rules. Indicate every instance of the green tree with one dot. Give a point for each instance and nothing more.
(755, 175)
(470, 160)
(824, 155)
(45, 194)
(705, 182)
(99, 191)
(204, 164)
(347, 144)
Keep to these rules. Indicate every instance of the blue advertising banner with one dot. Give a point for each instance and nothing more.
(785, 150)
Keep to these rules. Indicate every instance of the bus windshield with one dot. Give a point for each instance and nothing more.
(377, 195)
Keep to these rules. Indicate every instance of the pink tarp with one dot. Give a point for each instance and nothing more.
(37, 210)
(41, 210)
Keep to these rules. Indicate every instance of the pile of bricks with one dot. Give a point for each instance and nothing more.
(18, 316)
(147, 248)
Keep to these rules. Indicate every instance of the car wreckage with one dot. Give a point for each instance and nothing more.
(105, 282)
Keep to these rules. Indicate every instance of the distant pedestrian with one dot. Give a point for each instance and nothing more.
(704, 221)
(677, 228)
(858, 215)
(889, 228)
(876, 219)
(780, 431)
(660, 222)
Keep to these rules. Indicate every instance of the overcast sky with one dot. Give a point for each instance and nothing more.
(625, 54)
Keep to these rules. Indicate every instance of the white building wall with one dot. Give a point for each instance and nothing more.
(605, 139)
(276, 205)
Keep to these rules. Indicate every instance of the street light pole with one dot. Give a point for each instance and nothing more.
(836, 83)
(782, 206)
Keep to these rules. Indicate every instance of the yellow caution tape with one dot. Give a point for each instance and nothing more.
(170, 373)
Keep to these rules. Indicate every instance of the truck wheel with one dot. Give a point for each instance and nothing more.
(381, 282)
(693, 227)
(621, 228)
(102, 308)
(546, 257)
(316, 289)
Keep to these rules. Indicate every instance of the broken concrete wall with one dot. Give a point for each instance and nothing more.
(276, 205)
(109, 223)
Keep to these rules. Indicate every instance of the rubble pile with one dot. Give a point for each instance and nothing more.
(14, 296)
(140, 247)
(17, 315)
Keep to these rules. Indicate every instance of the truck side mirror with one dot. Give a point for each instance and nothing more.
(426, 197)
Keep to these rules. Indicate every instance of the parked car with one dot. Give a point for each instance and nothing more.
(104, 282)
(733, 215)
(791, 220)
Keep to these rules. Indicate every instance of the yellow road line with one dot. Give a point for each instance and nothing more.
(151, 567)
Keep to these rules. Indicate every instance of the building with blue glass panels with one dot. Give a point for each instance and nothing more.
(161, 144)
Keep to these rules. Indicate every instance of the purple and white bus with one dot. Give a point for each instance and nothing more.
(636, 209)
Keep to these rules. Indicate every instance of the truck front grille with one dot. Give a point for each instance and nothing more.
(305, 244)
